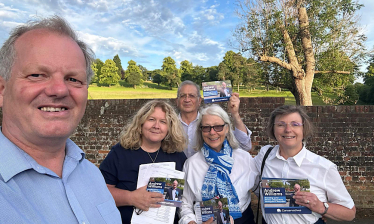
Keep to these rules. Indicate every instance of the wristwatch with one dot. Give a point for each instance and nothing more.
(326, 207)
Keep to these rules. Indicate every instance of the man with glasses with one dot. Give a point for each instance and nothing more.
(188, 102)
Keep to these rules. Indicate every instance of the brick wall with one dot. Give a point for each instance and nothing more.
(344, 135)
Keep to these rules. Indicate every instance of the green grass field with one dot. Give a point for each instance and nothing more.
(153, 91)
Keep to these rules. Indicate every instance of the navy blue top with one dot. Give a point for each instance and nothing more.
(121, 168)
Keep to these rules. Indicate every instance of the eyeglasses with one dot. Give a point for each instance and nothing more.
(292, 124)
(216, 128)
(138, 211)
(191, 96)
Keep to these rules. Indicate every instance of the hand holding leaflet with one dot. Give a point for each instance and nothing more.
(163, 214)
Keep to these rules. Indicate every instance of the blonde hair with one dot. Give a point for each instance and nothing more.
(216, 110)
(175, 141)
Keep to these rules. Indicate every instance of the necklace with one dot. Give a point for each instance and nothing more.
(153, 160)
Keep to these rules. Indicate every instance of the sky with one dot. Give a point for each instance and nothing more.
(147, 31)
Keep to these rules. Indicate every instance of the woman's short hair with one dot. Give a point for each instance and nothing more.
(175, 140)
(289, 109)
(216, 110)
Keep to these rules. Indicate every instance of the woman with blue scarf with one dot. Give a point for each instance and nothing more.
(220, 169)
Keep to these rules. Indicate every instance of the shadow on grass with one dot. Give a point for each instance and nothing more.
(155, 86)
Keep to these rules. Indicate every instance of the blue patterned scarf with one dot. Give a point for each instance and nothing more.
(217, 181)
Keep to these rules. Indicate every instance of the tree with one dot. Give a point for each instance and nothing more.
(133, 74)
(295, 34)
(170, 73)
(94, 69)
(109, 75)
(158, 78)
(186, 70)
(117, 60)
(211, 74)
(99, 64)
(198, 74)
(234, 68)
(145, 74)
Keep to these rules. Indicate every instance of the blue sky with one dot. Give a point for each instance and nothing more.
(147, 31)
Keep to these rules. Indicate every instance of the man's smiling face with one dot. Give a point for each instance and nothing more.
(46, 94)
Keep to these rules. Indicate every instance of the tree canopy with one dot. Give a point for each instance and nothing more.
(170, 72)
(301, 38)
(109, 75)
(117, 60)
(133, 74)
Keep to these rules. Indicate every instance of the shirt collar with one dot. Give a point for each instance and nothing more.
(184, 123)
(14, 160)
(298, 158)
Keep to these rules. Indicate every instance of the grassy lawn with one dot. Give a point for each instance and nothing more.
(153, 91)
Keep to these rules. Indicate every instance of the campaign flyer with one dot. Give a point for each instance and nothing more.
(277, 195)
(216, 91)
(171, 188)
(216, 208)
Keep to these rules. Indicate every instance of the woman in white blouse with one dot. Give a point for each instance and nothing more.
(219, 169)
(328, 197)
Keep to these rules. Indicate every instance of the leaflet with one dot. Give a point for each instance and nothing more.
(216, 91)
(164, 214)
(216, 208)
(277, 195)
(171, 188)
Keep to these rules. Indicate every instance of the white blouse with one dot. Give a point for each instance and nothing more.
(243, 175)
(324, 178)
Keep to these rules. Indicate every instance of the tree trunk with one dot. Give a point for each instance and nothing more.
(308, 54)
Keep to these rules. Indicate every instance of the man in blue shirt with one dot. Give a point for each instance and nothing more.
(44, 177)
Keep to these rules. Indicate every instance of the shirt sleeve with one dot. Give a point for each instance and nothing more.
(336, 191)
(243, 139)
(187, 212)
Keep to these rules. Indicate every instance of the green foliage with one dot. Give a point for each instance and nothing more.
(211, 73)
(117, 60)
(157, 77)
(99, 64)
(337, 43)
(109, 75)
(145, 74)
(133, 74)
(276, 184)
(94, 69)
(349, 97)
(171, 76)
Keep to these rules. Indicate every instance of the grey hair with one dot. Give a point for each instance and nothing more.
(216, 110)
(54, 24)
(188, 82)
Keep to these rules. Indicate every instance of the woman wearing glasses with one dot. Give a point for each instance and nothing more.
(328, 197)
(220, 169)
(153, 135)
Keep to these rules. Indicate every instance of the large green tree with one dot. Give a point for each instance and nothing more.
(109, 75)
(234, 67)
(298, 35)
(117, 60)
(133, 74)
(170, 72)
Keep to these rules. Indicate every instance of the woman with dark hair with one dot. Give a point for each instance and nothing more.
(290, 127)
(220, 169)
(153, 135)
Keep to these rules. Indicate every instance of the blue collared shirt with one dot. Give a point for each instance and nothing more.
(31, 193)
